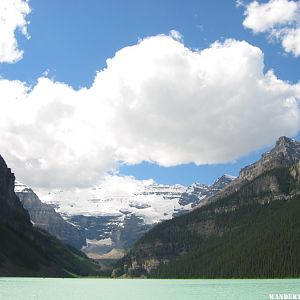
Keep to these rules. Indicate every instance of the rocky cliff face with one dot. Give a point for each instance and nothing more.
(45, 217)
(295, 171)
(285, 153)
(11, 210)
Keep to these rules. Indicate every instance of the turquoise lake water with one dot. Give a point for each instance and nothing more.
(143, 289)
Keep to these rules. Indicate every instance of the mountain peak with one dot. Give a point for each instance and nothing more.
(21, 187)
(284, 141)
(287, 148)
(285, 153)
(228, 176)
(222, 181)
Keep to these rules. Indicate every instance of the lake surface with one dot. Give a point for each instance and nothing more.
(143, 289)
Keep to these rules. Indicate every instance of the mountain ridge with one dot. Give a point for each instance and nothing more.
(285, 153)
(210, 241)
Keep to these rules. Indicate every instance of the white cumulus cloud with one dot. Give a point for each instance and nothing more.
(155, 101)
(262, 17)
(280, 19)
(12, 17)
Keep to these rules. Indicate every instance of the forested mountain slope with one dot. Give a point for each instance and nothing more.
(251, 232)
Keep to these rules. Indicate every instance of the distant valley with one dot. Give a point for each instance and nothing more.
(106, 220)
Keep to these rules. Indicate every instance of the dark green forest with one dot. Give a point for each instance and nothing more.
(265, 245)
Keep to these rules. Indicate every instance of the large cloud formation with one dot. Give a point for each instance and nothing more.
(157, 101)
(12, 17)
(280, 19)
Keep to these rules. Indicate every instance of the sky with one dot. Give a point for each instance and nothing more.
(177, 91)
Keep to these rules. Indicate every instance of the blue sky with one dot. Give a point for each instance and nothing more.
(71, 40)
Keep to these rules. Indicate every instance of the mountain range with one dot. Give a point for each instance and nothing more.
(244, 227)
(249, 229)
(105, 221)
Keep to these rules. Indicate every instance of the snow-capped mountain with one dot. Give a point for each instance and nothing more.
(114, 214)
(117, 212)
(198, 191)
(118, 196)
